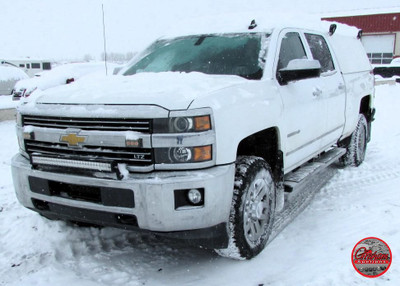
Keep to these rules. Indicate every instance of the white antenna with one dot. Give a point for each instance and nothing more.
(104, 40)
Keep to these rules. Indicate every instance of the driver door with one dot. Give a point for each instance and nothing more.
(303, 113)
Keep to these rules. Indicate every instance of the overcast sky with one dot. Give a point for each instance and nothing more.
(69, 29)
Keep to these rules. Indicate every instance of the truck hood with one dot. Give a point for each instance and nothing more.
(171, 90)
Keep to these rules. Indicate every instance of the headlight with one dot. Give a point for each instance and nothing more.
(176, 155)
(182, 124)
(184, 140)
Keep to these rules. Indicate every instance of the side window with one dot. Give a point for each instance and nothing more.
(320, 51)
(46, 66)
(291, 48)
(35, 65)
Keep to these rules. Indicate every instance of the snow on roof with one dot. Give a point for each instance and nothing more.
(11, 73)
(239, 23)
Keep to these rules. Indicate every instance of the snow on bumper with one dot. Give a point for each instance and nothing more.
(153, 194)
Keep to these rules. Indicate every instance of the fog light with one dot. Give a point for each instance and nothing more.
(181, 154)
(194, 196)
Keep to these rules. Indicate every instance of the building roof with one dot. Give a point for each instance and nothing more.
(376, 23)
(362, 12)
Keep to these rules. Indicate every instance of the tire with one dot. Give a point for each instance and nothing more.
(252, 211)
(356, 149)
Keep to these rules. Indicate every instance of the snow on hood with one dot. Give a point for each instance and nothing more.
(171, 90)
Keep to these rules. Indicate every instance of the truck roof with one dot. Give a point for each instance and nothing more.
(240, 22)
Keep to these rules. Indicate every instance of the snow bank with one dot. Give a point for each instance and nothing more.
(395, 61)
(59, 75)
(11, 73)
(6, 102)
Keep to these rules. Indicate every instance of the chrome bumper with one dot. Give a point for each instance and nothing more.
(154, 201)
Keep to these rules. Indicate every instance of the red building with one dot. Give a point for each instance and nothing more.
(381, 34)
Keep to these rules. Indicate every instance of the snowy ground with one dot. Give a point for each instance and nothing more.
(6, 102)
(314, 249)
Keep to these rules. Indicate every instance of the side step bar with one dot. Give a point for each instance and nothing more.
(300, 178)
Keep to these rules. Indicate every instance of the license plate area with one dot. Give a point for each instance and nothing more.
(106, 196)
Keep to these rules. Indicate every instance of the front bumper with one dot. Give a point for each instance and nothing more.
(153, 194)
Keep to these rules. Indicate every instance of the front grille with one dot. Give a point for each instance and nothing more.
(133, 156)
(101, 124)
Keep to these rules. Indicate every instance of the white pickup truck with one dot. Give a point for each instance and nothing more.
(201, 138)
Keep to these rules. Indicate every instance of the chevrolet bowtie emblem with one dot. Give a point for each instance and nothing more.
(73, 139)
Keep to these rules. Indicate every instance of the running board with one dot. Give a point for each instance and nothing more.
(302, 177)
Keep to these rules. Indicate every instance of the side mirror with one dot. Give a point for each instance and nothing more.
(299, 69)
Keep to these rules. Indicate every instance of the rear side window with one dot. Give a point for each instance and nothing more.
(35, 65)
(320, 51)
(291, 48)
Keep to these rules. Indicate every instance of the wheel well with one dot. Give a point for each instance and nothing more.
(368, 112)
(264, 144)
(365, 106)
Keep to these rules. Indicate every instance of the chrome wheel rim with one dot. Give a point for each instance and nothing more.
(258, 202)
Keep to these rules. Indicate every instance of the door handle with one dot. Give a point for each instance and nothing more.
(317, 92)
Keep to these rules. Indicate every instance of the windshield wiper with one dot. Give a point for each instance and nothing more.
(257, 75)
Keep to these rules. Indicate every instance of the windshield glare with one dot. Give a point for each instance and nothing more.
(233, 54)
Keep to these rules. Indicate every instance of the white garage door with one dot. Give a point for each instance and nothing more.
(379, 48)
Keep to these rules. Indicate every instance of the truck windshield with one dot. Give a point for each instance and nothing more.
(230, 54)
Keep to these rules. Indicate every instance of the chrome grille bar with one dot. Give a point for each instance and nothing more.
(109, 124)
(137, 156)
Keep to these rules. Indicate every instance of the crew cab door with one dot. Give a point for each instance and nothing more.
(303, 117)
(332, 95)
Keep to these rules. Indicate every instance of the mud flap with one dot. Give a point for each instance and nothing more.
(280, 188)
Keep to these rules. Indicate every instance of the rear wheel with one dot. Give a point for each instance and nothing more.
(357, 146)
(253, 209)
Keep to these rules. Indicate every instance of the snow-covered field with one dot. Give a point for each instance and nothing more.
(314, 249)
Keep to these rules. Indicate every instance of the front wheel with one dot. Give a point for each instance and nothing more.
(357, 147)
(253, 209)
